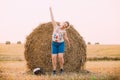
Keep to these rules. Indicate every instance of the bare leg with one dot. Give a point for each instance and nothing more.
(54, 56)
(61, 60)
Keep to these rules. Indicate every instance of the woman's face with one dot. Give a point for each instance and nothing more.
(64, 25)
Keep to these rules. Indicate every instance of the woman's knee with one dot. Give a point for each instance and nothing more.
(54, 57)
(60, 56)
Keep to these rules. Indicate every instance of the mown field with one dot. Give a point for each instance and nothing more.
(13, 64)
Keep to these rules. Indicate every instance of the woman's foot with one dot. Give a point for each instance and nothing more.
(54, 72)
(61, 71)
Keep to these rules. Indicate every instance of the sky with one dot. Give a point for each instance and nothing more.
(95, 20)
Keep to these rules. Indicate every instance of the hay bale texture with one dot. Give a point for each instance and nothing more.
(38, 49)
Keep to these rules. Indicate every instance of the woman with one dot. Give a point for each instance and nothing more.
(58, 37)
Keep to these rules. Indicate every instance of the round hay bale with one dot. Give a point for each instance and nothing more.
(38, 49)
(7, 42)
(19, 42)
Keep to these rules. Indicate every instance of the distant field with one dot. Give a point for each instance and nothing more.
(11, 52)
(12, 49)
(13, 64)
(92, 50)
(103, 50)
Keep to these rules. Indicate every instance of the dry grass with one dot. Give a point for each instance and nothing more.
(12, 49)
(105, 67)
(11, 52)
(12, 69)
(16, 70)
(103, 50)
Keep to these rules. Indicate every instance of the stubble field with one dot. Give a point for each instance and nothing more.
(13, 64)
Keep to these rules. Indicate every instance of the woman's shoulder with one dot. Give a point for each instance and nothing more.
(57, 26)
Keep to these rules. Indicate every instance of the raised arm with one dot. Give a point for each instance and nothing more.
(52, 18)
